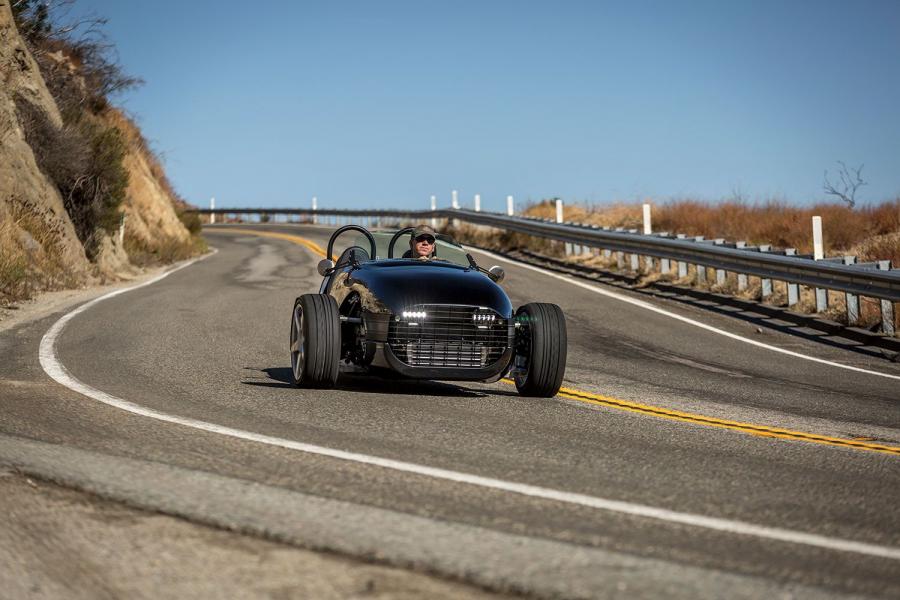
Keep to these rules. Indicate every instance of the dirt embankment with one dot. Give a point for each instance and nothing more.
(35, 230)
(69, 171)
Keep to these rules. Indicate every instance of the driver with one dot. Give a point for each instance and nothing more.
(421, 244)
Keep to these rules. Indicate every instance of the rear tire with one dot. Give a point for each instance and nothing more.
(315, 341)
(540, 359)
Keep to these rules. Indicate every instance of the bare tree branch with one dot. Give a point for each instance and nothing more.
(850, 182)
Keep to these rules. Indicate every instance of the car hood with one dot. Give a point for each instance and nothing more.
(404, 284)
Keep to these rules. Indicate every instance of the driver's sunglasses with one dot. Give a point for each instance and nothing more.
(425, 238)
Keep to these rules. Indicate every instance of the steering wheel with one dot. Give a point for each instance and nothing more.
(397, 236)
(358, 228)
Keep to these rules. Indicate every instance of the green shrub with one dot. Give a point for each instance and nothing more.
(191, 221)
(84, 160)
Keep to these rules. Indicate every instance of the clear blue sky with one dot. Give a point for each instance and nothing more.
(385, 103)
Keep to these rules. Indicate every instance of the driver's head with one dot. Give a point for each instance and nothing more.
(422, 241)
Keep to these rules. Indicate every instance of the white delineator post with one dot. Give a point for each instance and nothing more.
(510, 206)
(477, 202)
(315, 206)
(559, 219)
(455, 202)
(819, 254)
(648, 229)
(212, 206)
(434, 208)
(122, 229)
(818, 244)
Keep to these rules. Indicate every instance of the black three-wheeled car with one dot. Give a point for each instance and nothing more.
(445, 318)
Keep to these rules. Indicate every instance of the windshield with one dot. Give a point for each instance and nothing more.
(446, 248)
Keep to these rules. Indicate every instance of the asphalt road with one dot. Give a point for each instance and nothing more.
(209, 343)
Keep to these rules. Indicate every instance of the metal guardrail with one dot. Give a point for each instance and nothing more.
(862, 279)
(874, 280)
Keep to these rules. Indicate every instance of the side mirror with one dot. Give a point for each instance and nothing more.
(497, 273)
(325, 265)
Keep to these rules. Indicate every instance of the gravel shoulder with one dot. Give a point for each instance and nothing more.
(48, 303)
(60, 543)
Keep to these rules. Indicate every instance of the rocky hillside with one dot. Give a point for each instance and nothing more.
(71, 167)
(35, 230)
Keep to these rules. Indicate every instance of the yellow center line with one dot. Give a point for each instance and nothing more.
(751, 428)
(314, 247)
(647, 409)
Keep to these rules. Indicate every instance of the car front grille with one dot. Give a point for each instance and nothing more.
(449, 336)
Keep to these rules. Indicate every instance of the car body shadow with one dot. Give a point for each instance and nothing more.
(280, 377)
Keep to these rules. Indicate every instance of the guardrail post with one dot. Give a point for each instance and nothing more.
(793, 293)
(851, 300)
(212, 215)
(793, 290)
(699, 270)
(635, 262)
(887, 307)
(510, 206)
(680, 264)
(741, 277)
(620, 256)
(477, 202)
(721, 275)
(765, 284)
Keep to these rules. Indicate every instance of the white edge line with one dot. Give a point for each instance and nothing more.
(55, 369)
(662, 311)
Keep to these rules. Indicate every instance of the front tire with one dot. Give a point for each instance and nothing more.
(315, 341)
(540, 358)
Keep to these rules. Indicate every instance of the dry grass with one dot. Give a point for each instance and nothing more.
(14, 263)
(872, 232)
(607, 215)
(30, 257)
(163, 252)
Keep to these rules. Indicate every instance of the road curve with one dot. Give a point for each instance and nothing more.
(208, 344)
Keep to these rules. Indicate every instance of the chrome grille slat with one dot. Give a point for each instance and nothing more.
(448, 337)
